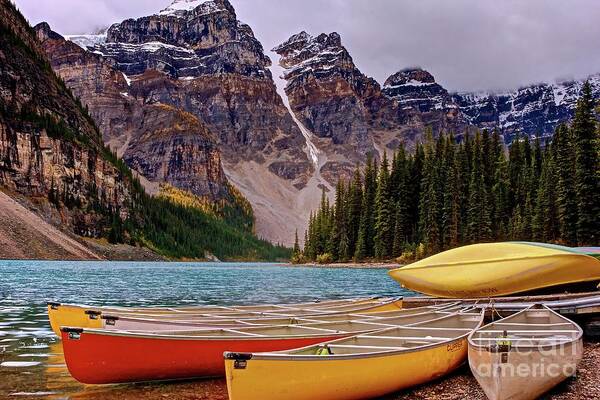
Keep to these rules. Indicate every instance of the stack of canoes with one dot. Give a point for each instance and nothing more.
(500, 269)
(105, 356)
(81, 316)
(344, 350)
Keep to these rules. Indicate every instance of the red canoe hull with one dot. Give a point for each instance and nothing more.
(103, 359)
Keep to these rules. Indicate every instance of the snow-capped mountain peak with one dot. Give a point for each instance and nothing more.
(179, 7)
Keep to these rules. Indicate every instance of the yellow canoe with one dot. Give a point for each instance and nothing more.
(499, 269)
(81, 316)
(361, 367)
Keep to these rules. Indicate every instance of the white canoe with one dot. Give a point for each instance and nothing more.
(525, 355)
(115, 322)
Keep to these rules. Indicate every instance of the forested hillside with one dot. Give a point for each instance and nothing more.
(51, 153)
(448, 194)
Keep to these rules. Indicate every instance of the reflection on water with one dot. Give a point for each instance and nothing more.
(31, 360)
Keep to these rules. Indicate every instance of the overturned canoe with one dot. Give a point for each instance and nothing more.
(98, 356)
(126, 323)
(525, 355)
(81, 316)
(360, 367)
(499, 269)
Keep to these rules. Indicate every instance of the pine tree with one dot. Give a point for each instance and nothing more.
(500, 191)
(429, 206)
(400, 194)
(415, 184)
(399, 232)
(367, 222)
(360, 253)
(478, 215)
(338, 241)
(452, 199)
(566, 197)
(384, 219)
(310, 242)
(296, 250)
(526, 230)
(544, 221)
(516, 166)
(463, 173)
(355, 194)
(587, 165)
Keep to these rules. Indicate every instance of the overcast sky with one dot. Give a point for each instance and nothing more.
(465, 44)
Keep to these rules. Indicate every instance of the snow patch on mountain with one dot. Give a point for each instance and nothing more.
(180, 7)
(87, 41)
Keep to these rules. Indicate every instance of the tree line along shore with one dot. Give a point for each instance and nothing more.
(453, 191)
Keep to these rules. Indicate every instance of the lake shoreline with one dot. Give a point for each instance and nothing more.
(365, 265)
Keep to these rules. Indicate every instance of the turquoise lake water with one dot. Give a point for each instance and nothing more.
(31, 362)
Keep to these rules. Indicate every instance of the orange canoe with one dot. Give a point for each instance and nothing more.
(98, 356)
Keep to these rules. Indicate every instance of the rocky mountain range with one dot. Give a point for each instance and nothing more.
(186, 96)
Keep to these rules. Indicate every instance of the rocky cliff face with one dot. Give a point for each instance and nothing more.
(196, 56)
(336, 101)
(326, 90)
(198, 59)
(49, 148)
(162, 143)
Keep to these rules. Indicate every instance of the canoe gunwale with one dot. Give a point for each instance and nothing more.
(188, 309)
(333, 357)
(284, 356)
(140, 335)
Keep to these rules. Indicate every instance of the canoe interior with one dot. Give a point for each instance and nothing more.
(429, 332)
(533, 327)
(296, 330)
(75, 316)
(153, 324)
(373, 305)
(525, 355)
